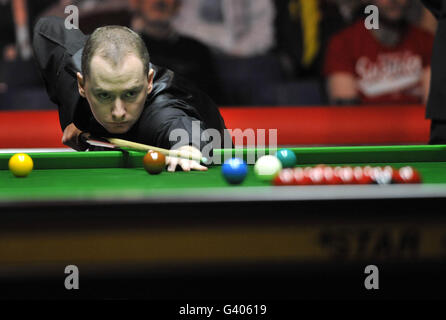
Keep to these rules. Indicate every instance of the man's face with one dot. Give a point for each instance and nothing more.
(392, 10)
(116, 94)
(158, 10)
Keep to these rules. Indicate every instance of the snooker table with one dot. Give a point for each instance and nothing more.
(191, 235)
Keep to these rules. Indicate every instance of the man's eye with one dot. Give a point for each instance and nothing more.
(130, 94)
(103, 96)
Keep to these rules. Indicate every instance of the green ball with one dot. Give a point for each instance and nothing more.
(287, 158)
(267, 168)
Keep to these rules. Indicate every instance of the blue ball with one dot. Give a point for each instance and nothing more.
(287, 157)
(234, 170)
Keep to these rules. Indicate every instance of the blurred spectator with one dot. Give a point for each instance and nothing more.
(241, 34)
(416, 13)
(303, 29)
(242, 28)
(351, 10)
(183, 55)
(388, 65)
(17, 69)
(16, 20)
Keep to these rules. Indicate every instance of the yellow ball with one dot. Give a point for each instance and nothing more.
(20, 164)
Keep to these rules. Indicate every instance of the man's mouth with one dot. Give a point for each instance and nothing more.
(118, 123)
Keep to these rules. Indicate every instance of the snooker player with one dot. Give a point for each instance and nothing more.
(105, 85)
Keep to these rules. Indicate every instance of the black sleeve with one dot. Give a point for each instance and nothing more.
(54, 45)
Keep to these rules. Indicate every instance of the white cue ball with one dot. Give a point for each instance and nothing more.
(267, 167)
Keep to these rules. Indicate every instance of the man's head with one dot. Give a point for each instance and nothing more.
(116, 77)
(392, 11)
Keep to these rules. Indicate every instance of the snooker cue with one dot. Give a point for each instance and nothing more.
(143, 147)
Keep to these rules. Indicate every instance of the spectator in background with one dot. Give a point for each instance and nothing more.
(241, 34)
(16, 15)
(183, 55)
(303, 28)
(351, 10)
(388, 65)
(17, 18)
(241, 28)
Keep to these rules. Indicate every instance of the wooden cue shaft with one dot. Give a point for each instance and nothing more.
(166, 152)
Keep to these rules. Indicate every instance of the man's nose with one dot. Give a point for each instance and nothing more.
(118, 112)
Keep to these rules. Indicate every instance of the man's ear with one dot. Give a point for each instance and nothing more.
(81, 84)
(150, 79)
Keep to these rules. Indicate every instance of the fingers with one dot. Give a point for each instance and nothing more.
(186, 165)
(196, 166)
(172, 163)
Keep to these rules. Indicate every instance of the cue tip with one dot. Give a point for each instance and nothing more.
(204, 160)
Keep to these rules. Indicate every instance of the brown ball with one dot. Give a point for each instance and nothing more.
(154, 162)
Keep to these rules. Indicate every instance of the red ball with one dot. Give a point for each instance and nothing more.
(346, 175)
(396, 177)
(362, 175)
(368, 171)
(316, 175)
(329, 176)
(337, 177)
(409, 175)
(154, 162)
(284, 178)
(301, 177)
